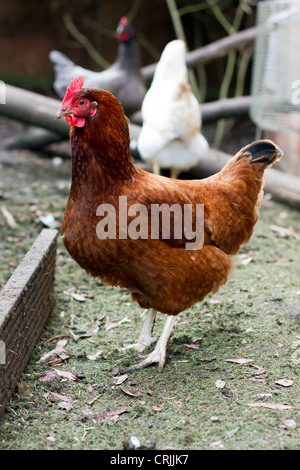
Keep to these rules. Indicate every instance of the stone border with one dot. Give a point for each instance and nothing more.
(26, 301)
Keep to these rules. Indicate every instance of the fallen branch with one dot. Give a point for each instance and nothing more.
(38, 110)
(227, 107)
(33, 109)
(214, 110)
(32, 138)
(213, 51)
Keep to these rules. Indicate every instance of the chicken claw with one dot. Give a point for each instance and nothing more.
(145, 339)
(160, 352)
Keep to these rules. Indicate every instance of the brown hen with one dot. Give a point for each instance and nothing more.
(162, 273)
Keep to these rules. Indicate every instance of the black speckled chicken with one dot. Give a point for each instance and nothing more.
(123, 78)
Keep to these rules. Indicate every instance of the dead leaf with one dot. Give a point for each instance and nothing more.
(124, 409)
(49, 221)
(120, 379)
(216, 444)
(48, 376)
(271, 406)
(239, 361)
(289, 423)
(59, 351)
(114, 372)
(283, 231)
(214, 419)
(220, 384)
(128, 392)
(58, 360)
(93, 357)
(73, 336)
(94, 399)
(61, 344)
(193, 346)
(111, 325)
(67, 375)
(262, 395)
(65, 405)
(285, 382)
(247, 261)
(261, 370)
(157, 408)
(60, 397)
(78, 297)
(228, 393)
(47, 356)
(133, 443)
(14, 240)
(8, 218)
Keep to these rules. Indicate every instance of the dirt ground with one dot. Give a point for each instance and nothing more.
(232, 376)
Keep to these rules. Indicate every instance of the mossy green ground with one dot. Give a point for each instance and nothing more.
(200, 401)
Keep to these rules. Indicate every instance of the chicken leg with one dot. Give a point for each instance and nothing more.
(174, 173)
(145, 338)
(156, 167)
(160, 352)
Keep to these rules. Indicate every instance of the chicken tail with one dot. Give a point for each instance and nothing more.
(262, 151)
(242, 183)
(60, 60)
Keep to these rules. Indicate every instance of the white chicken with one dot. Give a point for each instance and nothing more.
(171, 132)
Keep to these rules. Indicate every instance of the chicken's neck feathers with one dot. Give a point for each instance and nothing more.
(128, 57)
(100, 159)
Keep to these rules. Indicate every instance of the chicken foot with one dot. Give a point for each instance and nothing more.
(145, 338)
(160, 352)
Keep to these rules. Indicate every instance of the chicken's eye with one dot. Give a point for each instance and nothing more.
(82, 103)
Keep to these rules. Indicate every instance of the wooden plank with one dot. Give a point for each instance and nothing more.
(26, 301)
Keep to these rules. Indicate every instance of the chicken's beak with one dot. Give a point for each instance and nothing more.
(62, 112)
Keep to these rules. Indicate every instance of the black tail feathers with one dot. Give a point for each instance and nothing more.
(263, 151)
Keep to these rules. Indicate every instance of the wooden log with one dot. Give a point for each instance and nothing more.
(225, 108)
(33, 109)
(32, 138)
(26, 301)
(213, 51)
(214, 110)
(38, 110)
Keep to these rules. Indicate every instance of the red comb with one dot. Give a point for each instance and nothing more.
(123, 21)
(73, 88)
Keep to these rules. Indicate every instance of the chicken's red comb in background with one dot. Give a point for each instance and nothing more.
(123, 21)
(73, 88)
(122, 30)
